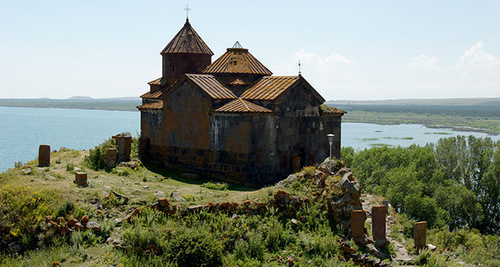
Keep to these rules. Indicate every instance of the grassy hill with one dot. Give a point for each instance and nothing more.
(122, 219)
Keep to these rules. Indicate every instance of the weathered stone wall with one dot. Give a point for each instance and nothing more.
(176, 65)
(151, 124)
(251, 148)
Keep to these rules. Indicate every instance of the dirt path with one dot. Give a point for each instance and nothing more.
(402, 255)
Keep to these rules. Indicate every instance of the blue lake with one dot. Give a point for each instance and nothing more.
(22, 130)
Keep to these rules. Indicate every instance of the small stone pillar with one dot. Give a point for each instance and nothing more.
(378, 224)
(358, 218)
(81, 179)
(420, 235)
(111, 158)
(124, 144)
(44, 156)
(143, 146)
(386, 204)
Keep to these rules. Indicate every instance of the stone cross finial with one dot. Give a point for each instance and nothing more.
(187, 9)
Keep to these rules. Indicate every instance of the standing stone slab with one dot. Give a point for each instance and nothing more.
(124, 144)
(378, 223)
(358, 218)
(81, 179)
(44, 156)
(420, 235)
(111, 158)
(386, 204)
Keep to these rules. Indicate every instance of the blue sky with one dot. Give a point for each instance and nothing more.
(356, 50)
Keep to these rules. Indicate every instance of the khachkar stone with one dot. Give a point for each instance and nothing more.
(358, 218)
(420, 235)
(81, 179)
(111, 158)
(378, 224)
(44, 156)
(124, 144)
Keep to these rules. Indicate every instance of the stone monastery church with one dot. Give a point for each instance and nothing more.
(231, 119)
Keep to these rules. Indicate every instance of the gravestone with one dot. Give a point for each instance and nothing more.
(44, 156)
(378, 224)
(358, 218)
(111, 158)
(124, 144)
(81, 179)
(420, 235)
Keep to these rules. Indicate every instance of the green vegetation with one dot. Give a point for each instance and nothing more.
(215, 186)
(461, 114)
(455, 183)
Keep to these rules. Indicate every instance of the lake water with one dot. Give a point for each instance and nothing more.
(22, 130)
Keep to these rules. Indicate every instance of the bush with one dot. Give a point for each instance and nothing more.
(215, 186)
(65, 208)
(195, 247)
(96, 159)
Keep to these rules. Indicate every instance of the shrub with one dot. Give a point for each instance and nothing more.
(18, 165)
(70, 167)
(308, 171)
(195, 247)
(215, 186)
(96, 159)
(65, 208)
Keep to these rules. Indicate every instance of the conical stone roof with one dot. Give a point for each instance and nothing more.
(187, 41)
(237, 60)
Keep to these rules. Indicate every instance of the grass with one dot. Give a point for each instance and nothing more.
(201, 239)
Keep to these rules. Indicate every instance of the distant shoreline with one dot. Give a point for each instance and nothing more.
(116, 104)
(479, 115)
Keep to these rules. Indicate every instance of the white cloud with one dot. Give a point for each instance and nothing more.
(329, 75)
(475, 74)
(424, 62)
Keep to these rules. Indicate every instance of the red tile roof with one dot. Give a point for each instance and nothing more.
(152, 105)
(237, 60)
(269, 87)
(240, 105)
(187, 41)
(211, 86)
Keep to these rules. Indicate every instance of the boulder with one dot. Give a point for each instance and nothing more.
(159, 194)
(282, 198)
(177, 197)
(287, 183)
(163, 202)
(84, 220)
(94, 226)
(79, 226)
(325, 165)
